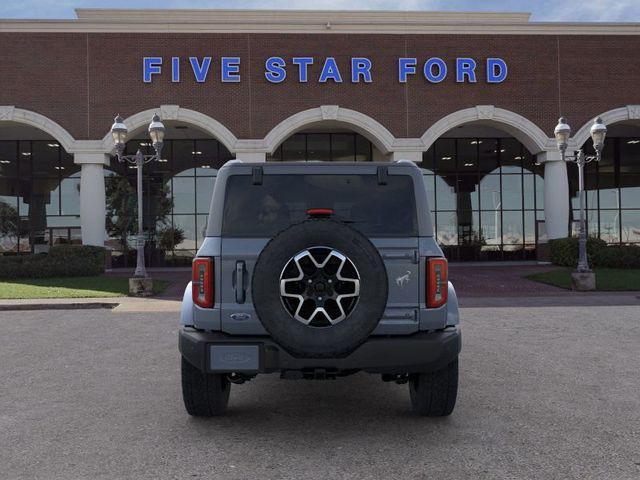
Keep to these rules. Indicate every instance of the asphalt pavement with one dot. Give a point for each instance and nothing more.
(551, 392)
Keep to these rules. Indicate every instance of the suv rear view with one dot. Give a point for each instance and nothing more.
(318, 271)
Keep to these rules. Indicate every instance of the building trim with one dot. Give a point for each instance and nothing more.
(309, 21)
(177, 113)
(10, 113)
(373, 130)
(527, 132)
(629, 112)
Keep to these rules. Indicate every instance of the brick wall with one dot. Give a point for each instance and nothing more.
(82, 80)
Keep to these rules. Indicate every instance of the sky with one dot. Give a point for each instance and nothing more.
(542, 10)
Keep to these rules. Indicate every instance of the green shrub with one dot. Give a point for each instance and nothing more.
(618, 256)
(61, 261)
(564, 251)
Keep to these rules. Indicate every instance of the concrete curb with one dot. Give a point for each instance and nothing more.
(57, 306)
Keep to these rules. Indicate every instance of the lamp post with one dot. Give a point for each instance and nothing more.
(598, 133)
(156, 132)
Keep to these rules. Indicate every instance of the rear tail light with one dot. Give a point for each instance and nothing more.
(437, 282)
(202, 287)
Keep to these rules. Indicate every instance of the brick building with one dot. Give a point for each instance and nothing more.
(473, 98)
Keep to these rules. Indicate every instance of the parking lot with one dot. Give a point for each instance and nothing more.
(549, 392)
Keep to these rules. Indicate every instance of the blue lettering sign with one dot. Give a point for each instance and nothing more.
(428, 70)
(406, 66)
(465, 67)
(230, 70)
(330, 71)
(360, 67)
(175, 69)
(151, 66)
(275, 69)
(200, 71)
(496, 70)
(303, 67)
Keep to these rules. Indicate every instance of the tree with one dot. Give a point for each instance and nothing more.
(122, 209)
(9, 221)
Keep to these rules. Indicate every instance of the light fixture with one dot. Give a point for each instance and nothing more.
(145, 144)
(196, 152)
(598, 134)
(517, 158)
(156, 132)
(633, 142)
(119, 133)
(25, 154)
(53, 145)
(4, 162)
(58, 168)
(447, 158)
(476, 142)
(162, 160)
(503, 150)
(469, 164)
(205, 166)
(562, 133)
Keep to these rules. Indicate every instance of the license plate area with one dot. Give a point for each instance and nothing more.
(234, 358)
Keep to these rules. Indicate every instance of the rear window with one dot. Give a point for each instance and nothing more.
(281, 200)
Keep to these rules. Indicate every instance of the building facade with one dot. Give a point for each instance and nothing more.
(472, 98)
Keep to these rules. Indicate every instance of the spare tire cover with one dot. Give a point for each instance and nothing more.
(319, 288)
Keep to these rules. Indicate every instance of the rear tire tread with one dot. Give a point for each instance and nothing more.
(204, 394)
(434, 394)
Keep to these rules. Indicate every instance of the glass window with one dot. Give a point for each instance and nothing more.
(294, 148)
(427, 159)
(343, 147)
(512, 228)
(445, 156)
(45, 157)
(445, 194)
(488, 155)
(610, 225)
(70, 196)
(363, 149)
(204, 190)
(188, 224)
(281, 200)
(467, 154)
(318, 147)
(183, 195)
(511, 155)
(630, 191)
(490, 198)
(629, 155)
(512, 192)
(8, 159)
(183, 155)
(630, 226)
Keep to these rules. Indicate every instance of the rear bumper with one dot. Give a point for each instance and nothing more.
(421, 352)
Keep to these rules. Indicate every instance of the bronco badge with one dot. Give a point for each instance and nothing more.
(402, 280)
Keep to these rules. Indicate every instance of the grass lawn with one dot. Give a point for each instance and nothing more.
(607, 279)
(72, 287)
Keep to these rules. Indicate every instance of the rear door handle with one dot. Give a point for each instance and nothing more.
(240, 290)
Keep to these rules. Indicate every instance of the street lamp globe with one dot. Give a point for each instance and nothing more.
(156, 132)
(119, 133)
(598, 133)
(562, 133)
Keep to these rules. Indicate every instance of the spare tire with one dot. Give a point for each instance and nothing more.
(319, 288)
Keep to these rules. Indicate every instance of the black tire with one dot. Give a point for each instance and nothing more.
(434, 394)
(204, 394)
(342, 337)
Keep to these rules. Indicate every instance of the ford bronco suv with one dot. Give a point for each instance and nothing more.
(315, 271)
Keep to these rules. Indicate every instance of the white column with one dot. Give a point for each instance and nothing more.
(92, 197)
(406, 155)
(556, 194)
(252, 157)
